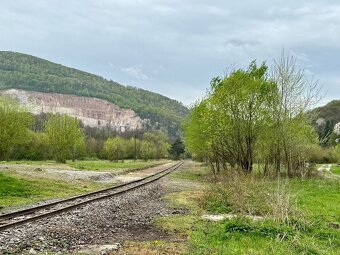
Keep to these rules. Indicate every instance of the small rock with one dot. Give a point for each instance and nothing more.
(38, 169)
(32, 251)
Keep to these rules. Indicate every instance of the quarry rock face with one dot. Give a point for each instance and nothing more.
(91, 111)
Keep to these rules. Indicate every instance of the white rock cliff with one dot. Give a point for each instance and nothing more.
(91, 111)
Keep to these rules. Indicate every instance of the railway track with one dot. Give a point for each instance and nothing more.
(17, 218)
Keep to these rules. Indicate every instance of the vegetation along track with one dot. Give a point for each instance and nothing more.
(17, 218)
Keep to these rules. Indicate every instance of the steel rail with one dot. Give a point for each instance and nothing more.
(146, 180)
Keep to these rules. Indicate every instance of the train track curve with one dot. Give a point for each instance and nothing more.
(17, 218)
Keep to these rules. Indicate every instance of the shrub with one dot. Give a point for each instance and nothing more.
(245, 194)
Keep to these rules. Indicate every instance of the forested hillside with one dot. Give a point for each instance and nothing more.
(23, 71)
(325, 118)
(330, 111)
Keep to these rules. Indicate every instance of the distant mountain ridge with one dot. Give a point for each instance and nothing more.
(329, 112)
(324, 120)
(22, 71)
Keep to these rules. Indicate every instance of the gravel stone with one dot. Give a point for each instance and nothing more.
(107, 222)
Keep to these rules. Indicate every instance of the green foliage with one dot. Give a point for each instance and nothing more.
(14, 124)
(177, 149)
(147, 150)
(64, 136)
(115, 149)
(30, 73)
(249, 117)
(264, 229)
(198, 129)
(322, 155)
(158, 140)
(233, 116)
(35, 147)
(150, 146)
(242, 236)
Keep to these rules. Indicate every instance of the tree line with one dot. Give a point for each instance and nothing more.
(61, 137)
(256, 117)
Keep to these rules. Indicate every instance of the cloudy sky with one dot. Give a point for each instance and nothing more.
(175, 47)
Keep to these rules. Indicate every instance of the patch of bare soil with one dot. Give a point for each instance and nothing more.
(58, 173)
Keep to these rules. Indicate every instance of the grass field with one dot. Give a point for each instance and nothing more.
(17, 189)
(312, 227)
(335, 169)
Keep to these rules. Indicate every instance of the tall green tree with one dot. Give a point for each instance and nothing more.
(231, 119)
(64, 136)
(250, 116)
(35, 147)
(159, 141)
(177, 149)
(115, 148)
(14, 123)
(147, 150)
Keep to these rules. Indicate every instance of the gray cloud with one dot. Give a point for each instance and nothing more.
(135, 71)
(175, 47)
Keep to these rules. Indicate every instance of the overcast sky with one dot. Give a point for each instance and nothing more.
(175, 47)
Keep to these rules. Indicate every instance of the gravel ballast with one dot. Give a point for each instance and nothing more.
(108, 222)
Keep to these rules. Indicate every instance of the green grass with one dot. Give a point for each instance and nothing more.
(310, 231)
(16, 189)
(239, 236)
(317, 198)
(335, 169)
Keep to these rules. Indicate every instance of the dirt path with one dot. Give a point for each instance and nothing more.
(325, 169)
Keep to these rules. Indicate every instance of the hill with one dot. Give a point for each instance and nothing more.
(324, 119)
(21, 71)
(329, 112)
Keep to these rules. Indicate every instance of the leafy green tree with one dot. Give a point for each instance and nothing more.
(147, 150)
(177, 149)
(233, 116)
(115, 149)
(159, 140)
(64, 136)
(14, 124)
(132, 148)
(198, 132)
(248, 116)
(35, 147)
